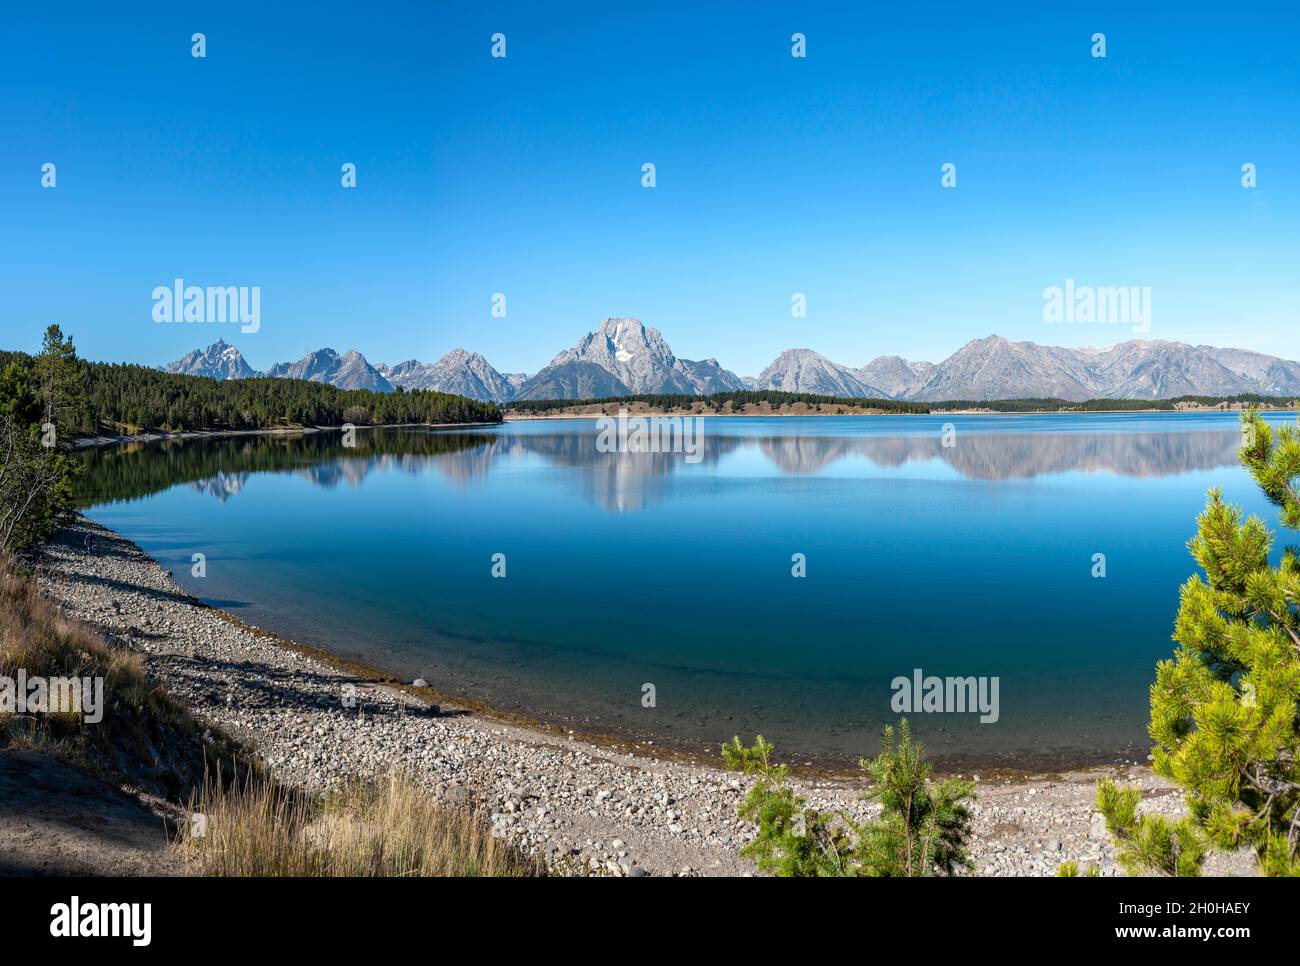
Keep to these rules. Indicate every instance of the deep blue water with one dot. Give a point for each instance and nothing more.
(626, 569)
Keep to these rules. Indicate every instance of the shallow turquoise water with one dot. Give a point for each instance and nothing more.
(627, 569)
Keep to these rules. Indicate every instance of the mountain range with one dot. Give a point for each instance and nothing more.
(347, 371)
(624, 357)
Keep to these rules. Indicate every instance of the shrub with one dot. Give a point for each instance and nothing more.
(922, 829)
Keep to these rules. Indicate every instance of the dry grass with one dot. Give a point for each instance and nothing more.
(36, 638)
(145, 736)
(254, 826)
(389, 828)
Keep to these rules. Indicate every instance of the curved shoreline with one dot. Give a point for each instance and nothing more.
(658, 744)
(583, 805)
(1013, 759)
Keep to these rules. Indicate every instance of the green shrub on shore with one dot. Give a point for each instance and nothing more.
(36, 486)
(792, 839)
(924, 826)
(922, 830)
(1069, 869)
(392, 827)
(1149, 843)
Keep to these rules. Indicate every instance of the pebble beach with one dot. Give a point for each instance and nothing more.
(581, 806)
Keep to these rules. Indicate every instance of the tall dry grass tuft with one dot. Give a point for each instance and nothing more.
(392, 827)
(37, 639)
(145, 735)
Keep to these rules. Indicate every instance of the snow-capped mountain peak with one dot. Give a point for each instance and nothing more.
(623, 357)
(221, 360)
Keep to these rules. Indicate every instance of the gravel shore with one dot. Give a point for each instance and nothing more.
(583, 807)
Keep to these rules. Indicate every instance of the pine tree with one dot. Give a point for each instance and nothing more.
(922, 828)
(61, 381)
(792, 839)
(16, 396)
(1224, 709)
(1149, 843)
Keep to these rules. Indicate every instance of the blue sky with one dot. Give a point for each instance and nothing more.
(522, 175)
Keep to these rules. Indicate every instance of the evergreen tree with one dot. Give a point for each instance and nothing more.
(1224, 709)
(60, 381)
(16, 396)
(792, 839)
(37, 474)
(923, 827)
(1149, 843)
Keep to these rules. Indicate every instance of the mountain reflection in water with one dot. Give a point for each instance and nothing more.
(627, 482)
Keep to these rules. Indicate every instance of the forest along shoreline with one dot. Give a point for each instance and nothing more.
(157, 437)
(580, 805)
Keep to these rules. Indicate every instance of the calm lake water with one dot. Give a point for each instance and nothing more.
(974, 559)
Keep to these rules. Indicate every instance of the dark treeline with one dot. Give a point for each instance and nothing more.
(132, 399)
(776, 399)
(135, 470)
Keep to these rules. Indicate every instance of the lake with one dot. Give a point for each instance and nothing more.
(972, 559)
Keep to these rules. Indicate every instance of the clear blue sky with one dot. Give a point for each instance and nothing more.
(523, 176)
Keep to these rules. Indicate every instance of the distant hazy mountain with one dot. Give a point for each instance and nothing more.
(573, 380)
(1152, 370)
(802, 370)
(349, 371)
(995, 368)
(620, 358)
(218, 361)
(460, 372)
(708, 377)
(895, 376)
(406, 374)
(1269, 372)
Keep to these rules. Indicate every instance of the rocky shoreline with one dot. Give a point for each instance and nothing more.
(584, 807)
